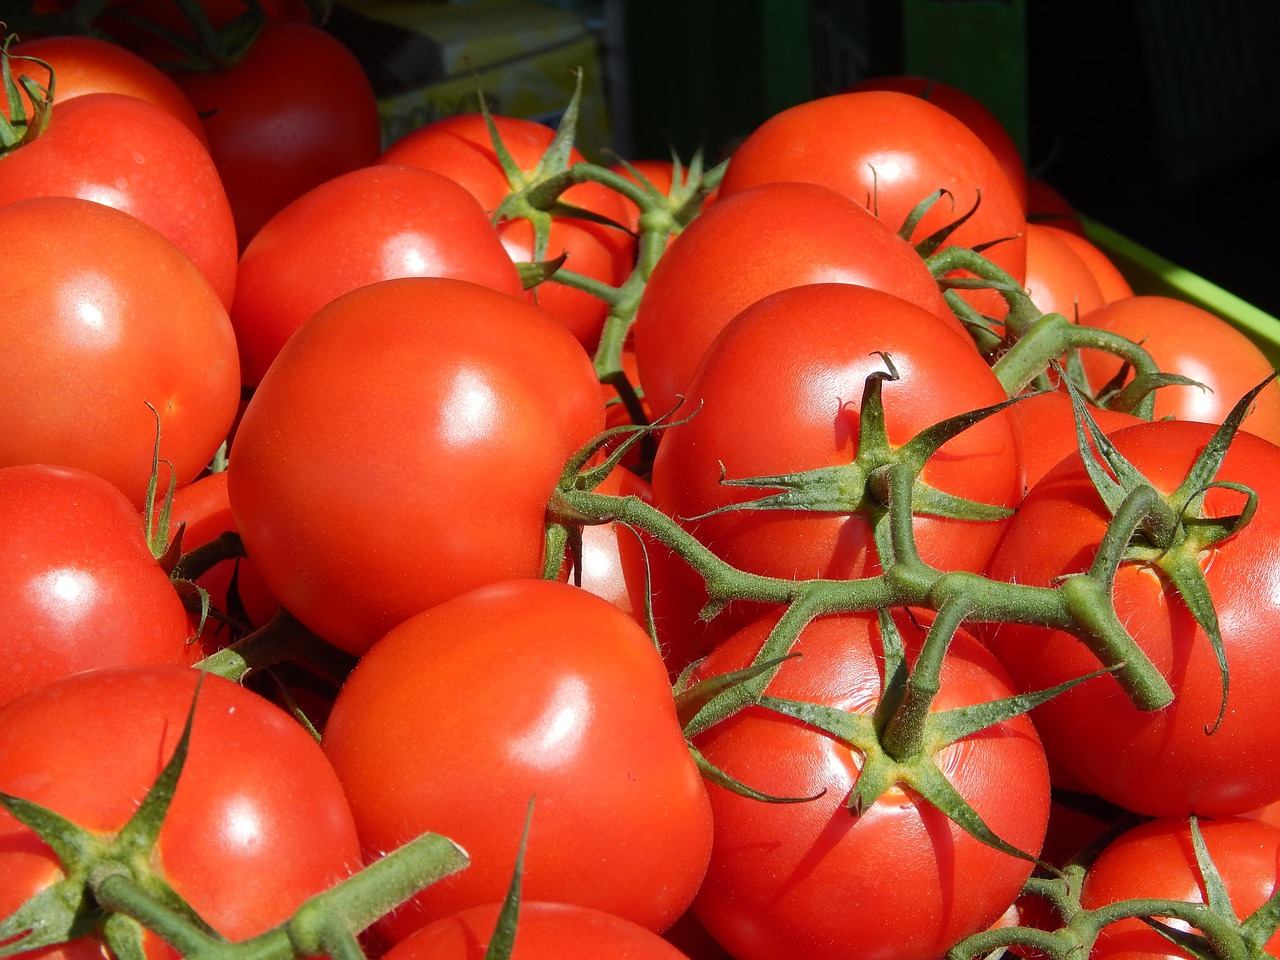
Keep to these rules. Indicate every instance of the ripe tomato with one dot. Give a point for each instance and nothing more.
(88, 338)
(1156, 859)
(1058, 280)
(85, 64)
(1186, 339)
(889, 151)
(1113, 284)
(371, 224)
(295, 111)
(159, 172)
(975, 114)
(1165, 762)
(779, 393)
(542, 933)
(754, 243)
(897, 881)
(531, 689)
(363, 471)
(461, 148)
(75, 568)
(1047, 430)
(258, 822)
(1046, 204)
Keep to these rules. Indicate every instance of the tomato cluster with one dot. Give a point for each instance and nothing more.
(815, 555)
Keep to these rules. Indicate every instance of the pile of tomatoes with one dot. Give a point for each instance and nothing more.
(821, 553)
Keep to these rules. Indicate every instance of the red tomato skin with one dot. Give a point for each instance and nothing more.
(295, 111)
(1156, 859)
(1057, 279)
(889, 151)
(792, 366)
(543, 931)
(755, 243)
(532, 689)
(375, 223)
(93, 65)
(1161, 763)
(74, 568)
(461, 148)
(900, 881)
(1047, 430)
(258, 822)
(89, 339)
(160, 173)
(1111, 282)
(1186, 339)
(428, 385)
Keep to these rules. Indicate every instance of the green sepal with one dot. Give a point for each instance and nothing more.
(503, 940)
(534, 272)
(1195, 945)
(717, 776)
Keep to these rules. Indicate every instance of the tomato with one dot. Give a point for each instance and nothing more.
(74, 567)
(1156, 859)
(159, 172)
(88, 338)
(295, 111)
(258, 821)
(1111, 282)
(779, 393)
(402, 449)
(1047, 429)
(1186, 339)
(755, 243)
(1057, 279)
(84, 64)
(899, 880)
(1174, 761)
(542, 932)
(889, 151)
(1046, 204)
(461, 147)
(371, 224)
(975, 114)
(532, 689)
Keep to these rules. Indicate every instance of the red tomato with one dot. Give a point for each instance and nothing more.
(258, 822)
(889, 151)
(295, 111)
(1157, 860)
(1047, 430)
(1165, 762)
(371, 224)
(461, 148)
(1058, 280)
(975, 114)
(88, 338)
(531, 689)
(779, 393)
(74, 567)
(1111, 281)
(93, 65)
(899, 880)
(542, 933)
(1186, 339)
(363, 472)
(159, 173)
(755, 243)
(1046, 204)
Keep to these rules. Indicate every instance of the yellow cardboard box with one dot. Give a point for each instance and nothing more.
(432, 60)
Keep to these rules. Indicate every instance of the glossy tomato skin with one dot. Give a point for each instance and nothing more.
(899, 881)
(375, 223)
(295, 111)
(532, 689)
(84, 64)
(1047, 430)
(889, 151)
(543, 932)
(1111, 282)
(779, 392)
(763, 240)
(79, 587)
(363, 471)
(1156, 859)
(1186, 339)
(159, 172)
(1057, 279)
(88, 339)
(1162, 763)
(258, 822)
(461, 148)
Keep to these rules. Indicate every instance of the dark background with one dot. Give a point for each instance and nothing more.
(1161, 118)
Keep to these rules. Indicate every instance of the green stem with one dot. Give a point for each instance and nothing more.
(283, 639)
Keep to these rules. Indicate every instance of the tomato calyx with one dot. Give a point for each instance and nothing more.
(19, 127)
